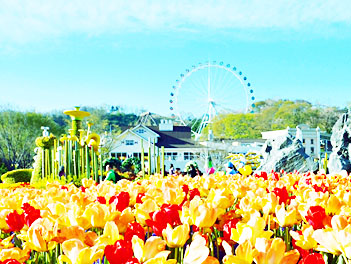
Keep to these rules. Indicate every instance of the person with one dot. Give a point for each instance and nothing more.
(171, 170)
(192, 171)
(198, 172)
(178, 172)
(111, 174)
(231, 168)
(62, 172)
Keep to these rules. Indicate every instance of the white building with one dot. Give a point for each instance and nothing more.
(178, 145)
(315, 142)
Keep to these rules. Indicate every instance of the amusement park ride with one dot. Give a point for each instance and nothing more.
(207, 90)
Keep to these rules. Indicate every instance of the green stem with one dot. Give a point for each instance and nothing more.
(287, 238)
(176, 254)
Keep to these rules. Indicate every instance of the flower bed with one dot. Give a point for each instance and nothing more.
(264, 218)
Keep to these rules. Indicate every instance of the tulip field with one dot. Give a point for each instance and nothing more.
(260, 218)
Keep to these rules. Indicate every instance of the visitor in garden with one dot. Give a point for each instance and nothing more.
(192, 171)
(111, 174)
(62, 171)
(231, 169)
(178, 172)
(171, 170)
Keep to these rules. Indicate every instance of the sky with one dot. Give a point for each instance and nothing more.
(55, 55)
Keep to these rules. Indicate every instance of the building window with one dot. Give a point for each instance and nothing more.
(188, 156)
(137, 155)
(129, 142)
(312, 141)
(171, 155)
(119, 155)
(140, 131)
(312, 150)
(303, 141)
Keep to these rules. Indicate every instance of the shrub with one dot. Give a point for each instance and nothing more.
(21, 175)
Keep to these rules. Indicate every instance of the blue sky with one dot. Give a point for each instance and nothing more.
(57, 54)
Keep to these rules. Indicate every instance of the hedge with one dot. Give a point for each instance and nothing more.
(21, 175)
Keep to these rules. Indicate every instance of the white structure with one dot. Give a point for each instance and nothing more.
(178, 146)
(312, 138)
(242, 146)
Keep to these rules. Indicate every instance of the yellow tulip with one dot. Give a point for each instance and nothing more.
(244, 253)
(273, 251)
(304, 241)
(150, 249)
(250, 231)
(40, 235)
(218, 198)
(176, 237)
(333, 205)
(21, 255)
(75, 252)
(110, 235)
(285, 218)
(197, 252)
(123, 219)
(96, 214)
(142, 210)
(203, 214)
(333, 240)
(3, 214)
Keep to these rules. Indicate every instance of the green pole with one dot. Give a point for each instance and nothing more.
(96, 167)
(149, 158)
(155, 158)
(163, 160)
(43, 163)
(142, 159)
(87, 165)
(101, 173)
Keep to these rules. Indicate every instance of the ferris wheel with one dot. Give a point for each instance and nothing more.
(207, 90)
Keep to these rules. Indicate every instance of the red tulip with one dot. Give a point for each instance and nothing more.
(133, 261)
(30, 214)
(263, 175)
(275, 176)
(172, 211)
(134, 229)
(139, 196)
(185, 189)
(121, 200)
(101, 199)
(10, 261)
(82, 188)
(227, 228)
(158, 221)
(283, 195)
(316, 217)
(15, 221)
(321, 188)
(120, 253)
(193, 193)
(313, 258)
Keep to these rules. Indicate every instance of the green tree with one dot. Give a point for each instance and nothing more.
(235, 126)
(18, 131)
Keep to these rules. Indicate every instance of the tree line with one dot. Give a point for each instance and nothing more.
(274, 115)
(18, 129)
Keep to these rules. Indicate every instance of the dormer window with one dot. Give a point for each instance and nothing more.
(140, 131)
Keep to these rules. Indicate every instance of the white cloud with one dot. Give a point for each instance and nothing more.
(23, 21)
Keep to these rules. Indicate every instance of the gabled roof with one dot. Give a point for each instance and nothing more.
(180, 137)
(125, 132)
